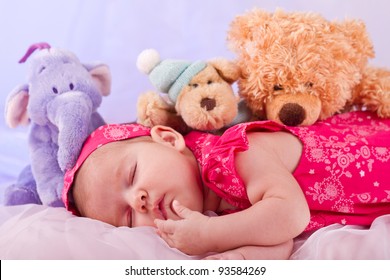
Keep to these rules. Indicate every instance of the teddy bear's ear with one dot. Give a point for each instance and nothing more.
(228, 70)
(355, 31)
(243, 27)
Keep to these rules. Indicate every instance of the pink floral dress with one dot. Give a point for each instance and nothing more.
(344, 170)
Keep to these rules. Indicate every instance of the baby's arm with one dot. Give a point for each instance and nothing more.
(279, 211)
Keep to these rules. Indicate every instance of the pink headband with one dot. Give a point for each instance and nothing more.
(101, 136)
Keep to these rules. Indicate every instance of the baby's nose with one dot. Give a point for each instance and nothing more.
(140, 204)
(138, 200)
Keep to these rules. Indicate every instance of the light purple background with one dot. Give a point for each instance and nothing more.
(116, 31)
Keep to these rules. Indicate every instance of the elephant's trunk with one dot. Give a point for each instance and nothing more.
(71, 113)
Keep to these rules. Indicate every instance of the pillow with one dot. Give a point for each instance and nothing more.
(42, 232)
(338, 242)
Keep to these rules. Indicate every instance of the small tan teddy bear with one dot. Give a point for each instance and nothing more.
(198, 96)
(298, 67)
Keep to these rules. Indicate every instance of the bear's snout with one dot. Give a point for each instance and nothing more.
(292, 114)
(208, 103)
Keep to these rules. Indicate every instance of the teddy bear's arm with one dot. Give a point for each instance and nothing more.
(373, 92)
(153, 110)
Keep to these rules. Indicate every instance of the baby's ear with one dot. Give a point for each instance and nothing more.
(168, 136)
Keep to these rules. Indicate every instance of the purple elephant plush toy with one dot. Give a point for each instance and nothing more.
(60, 103)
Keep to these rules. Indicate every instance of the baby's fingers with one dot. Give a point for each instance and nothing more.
(182, 211)
(166, 227)
(161, 231)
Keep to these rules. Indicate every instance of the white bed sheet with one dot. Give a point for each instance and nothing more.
(338, 242)
(41, 232)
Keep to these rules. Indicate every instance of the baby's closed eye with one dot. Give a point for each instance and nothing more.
(129, 217)
(132, 174)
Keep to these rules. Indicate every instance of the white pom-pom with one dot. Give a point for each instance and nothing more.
(147, 60)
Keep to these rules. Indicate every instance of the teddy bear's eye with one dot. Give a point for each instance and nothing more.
(309, 84)
(209, 82)
(278, 87)
(194, 85)
(55, 90)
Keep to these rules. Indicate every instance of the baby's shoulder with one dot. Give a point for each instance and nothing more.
(271, 139)
(275, 148)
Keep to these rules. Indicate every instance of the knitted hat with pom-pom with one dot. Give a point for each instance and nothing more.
(168, 76)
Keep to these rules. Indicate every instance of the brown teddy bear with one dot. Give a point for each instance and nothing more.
(298, 67)
(198, 96)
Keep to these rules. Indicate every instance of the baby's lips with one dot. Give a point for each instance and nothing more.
(162, 209)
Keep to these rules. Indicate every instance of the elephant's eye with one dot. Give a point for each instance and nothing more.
(55, 90)
(41, 69)
(71, 86)
(278, 87)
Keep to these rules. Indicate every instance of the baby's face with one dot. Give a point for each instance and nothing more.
(133, 182)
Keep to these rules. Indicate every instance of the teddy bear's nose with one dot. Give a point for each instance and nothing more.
(292, 114)
(208, 103)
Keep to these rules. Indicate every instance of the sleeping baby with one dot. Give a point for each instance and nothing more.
(266, 182)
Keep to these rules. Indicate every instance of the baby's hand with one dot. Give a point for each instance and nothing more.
(185, 234)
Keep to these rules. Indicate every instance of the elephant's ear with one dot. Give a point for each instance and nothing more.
(101, 75)
(16, 107)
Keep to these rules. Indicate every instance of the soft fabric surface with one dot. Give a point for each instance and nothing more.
(346, 242)
(41, 232)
